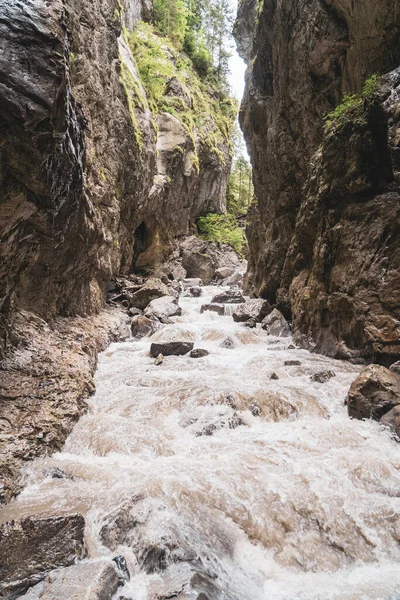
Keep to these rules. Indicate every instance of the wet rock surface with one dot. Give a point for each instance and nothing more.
(32, 547)
(170, 348)
(164, 307)
(45, 384)
(276, 324)
(324, 236)
(256, 309)
(374, 393)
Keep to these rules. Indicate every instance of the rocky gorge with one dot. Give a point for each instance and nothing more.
(208, 451)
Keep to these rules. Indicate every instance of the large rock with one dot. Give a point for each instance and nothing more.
(32, 547)
(276, 324)
(374, 393)
(97, 580)
(153, 289)
(163, 308)
(256, 309)
(142, 326)
(229, 297)
(170, 348)
(324, 237)
(199, 265)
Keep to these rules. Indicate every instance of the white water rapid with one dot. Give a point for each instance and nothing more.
(263, 486)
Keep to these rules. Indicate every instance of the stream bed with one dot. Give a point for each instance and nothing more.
(262, 487)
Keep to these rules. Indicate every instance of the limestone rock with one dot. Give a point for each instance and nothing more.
(95, 580)
(199, 353)
(392, 420)
(32, 547)
(163, 308)
(223, 273)
(141, 326)
(199, 265)
(170, 348)
(229, 297)
(256, 309)
(323, 376)
(153, 289)
(276, 324)
(374, 393)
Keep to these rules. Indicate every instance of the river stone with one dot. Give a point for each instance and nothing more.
(163, 308)
(217, 308)
(170, 348)
(192, 282)
(375, 392)
(395, 367)
(392, 420)
(142, 326)
(199, 353)
(33, 546)
(256, 309)
(153, 288)
(85, 581)
(276, 324)
(323, 376)
(229, 297)
(292, 363)
(193, 292)
(235, 279)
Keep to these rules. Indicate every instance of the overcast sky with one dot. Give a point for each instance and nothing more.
(237, 67)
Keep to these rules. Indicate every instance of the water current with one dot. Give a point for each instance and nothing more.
(263, 486)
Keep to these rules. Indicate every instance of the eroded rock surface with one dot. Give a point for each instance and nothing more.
(374, 393)
(32, 547)
(324, 238)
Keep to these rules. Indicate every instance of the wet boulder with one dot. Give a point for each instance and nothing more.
(395, 367)
(234, 279)
(199, 353)
(276, 324)
(163, 308)
(142, 326)
(33, 546)
(392, 420)
(97, 580)
(323, 376)
(374, 393)
(292, 363)
(170, 348)
(199, 265)
(153, 289)
(217, 308)
(229, 297)
(256, 309)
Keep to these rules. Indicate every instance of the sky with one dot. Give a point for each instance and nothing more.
(237, 67)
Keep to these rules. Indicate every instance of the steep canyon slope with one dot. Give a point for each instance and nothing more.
(325, 234)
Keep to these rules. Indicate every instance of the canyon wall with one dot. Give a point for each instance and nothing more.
(84, 163)
(324, 234)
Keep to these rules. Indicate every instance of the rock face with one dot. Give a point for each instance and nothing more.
(75, 182)
(81, 164)
(325, 237)
(34, 546)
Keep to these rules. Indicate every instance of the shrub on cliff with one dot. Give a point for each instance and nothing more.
(222, 228)
(352, 105)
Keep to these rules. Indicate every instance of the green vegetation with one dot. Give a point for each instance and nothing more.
(352, 106)
(202, 29)
(201, 106)
(131, 91)
(222, 228)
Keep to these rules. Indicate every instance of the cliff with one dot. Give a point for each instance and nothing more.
(87, 160)
(324, 236)
(98, 177)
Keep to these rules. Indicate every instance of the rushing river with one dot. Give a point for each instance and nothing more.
(263, 485)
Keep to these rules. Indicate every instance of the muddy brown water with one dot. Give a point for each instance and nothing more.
(265, 483)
